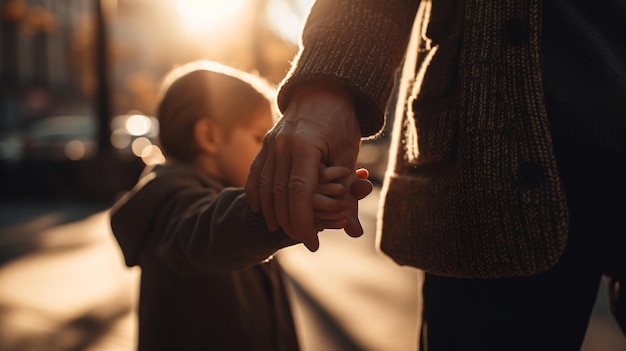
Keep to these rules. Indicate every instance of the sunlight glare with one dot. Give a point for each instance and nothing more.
(287, 17)
(204, 15)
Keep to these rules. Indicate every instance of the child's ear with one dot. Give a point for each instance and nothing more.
(207, 135)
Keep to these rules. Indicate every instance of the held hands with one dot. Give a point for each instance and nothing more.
(337, 192)
(319, 126)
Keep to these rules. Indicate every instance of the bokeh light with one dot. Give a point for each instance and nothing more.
(75, 150)
(139, 144)
(138, 125)
(120, 139)
(152, 155)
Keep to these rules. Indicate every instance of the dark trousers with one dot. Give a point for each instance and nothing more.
(550, 310)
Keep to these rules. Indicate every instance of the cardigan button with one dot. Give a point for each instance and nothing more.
(515, 30)
(530, 173)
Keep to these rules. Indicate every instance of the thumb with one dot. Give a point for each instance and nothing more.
(361, 187)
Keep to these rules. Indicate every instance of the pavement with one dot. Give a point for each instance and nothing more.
(64, 286)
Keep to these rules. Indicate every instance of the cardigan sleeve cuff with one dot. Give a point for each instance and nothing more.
(356, 46)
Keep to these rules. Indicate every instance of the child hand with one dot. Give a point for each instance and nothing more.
(359, 187)
(334, 206)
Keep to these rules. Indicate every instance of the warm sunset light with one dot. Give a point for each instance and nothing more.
(286, 17)
(204, 15)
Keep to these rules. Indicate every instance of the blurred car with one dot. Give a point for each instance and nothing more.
(60, 138)
(11, 146)
(58, 157)
(74, 137)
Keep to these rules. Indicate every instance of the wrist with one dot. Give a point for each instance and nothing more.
(329, 101)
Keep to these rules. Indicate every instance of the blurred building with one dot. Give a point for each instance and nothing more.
(75, 74)
(41, 71)
(55, 105)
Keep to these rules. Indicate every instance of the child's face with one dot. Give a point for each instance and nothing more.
(241, 147)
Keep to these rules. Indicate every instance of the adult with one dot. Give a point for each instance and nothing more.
(505, 182)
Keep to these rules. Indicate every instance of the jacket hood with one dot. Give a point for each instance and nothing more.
(134, 216)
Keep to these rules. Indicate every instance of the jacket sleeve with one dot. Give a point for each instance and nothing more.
(216, 232)
(359, 44)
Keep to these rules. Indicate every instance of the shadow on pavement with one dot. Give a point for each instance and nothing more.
(64, 286)
(24, 227)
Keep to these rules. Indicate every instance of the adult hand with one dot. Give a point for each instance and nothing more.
(319, 125)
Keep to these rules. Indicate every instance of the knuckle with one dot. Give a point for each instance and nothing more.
(297, 186)
(279, 190)
(264, 181)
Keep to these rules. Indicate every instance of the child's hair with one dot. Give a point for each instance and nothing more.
(206, 89)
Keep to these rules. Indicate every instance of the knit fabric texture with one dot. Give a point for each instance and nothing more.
(472, 189)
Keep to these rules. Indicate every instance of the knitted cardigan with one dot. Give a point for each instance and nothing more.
(472, 188)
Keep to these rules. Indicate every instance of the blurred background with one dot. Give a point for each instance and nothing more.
(78, 83)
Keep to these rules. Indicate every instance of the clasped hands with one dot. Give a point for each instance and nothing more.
(304, 179)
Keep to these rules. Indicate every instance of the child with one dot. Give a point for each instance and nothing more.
(208, 281)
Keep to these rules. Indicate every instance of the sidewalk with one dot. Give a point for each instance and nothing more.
(349, 296)
(63, 286)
